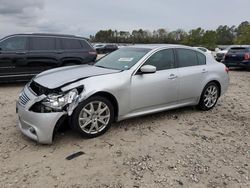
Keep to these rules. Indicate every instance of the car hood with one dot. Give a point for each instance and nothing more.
(58, 77)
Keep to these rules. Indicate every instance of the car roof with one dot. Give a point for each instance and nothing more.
(157, 46)
(47, 34)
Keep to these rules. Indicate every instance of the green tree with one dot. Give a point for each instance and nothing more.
(209, 39)
(225, 35)
(194, 37)
(244, 35)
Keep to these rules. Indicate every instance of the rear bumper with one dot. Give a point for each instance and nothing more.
(244, 64)
(37, 126)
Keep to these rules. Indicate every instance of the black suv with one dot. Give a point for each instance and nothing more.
(105, 48)
(238, 57)
(24, 55)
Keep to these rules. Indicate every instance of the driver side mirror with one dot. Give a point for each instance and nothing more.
(148, 69)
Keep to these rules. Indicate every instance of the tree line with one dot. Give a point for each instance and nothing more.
(223, 35)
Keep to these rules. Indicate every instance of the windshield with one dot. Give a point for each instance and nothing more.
(122, 59)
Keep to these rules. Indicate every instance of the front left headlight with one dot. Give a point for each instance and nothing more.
(59, 101)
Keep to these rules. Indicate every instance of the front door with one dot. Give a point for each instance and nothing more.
(13, 56)
(159, 89)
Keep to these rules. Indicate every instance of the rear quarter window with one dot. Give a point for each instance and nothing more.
(71, 44)
(201, 58)
(85, 44)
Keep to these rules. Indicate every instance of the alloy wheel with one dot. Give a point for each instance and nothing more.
(210, 96)
(94, 117)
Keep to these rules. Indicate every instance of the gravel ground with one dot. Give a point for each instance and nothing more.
(178, 148)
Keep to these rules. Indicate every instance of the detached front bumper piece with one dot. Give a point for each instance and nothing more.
(37, 126)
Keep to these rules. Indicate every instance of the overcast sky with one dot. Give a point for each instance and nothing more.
(85, 17)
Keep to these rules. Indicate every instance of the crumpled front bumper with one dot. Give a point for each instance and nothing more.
(37, 126)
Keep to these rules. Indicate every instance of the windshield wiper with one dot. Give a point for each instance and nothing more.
(106, 67)
(101, 66)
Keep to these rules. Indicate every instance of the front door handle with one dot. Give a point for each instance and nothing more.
(204, 71)
(172, 77)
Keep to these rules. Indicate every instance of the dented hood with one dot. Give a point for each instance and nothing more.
(58, 77)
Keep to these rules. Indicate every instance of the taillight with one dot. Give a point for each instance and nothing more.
(247, 56)
(227, 69)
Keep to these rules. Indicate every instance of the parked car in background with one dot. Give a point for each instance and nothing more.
(238, 57)
(105, 48)
(24, 55)
(220, 54)
(205, 50)
(129, 82)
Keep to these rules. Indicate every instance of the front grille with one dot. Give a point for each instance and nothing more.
(23, 99)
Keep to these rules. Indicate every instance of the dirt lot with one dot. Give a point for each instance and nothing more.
(179, 148)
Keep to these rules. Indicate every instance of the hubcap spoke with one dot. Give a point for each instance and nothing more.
(103, 110)
(87, 122)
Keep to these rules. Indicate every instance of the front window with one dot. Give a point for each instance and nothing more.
(13, 44)
(122, 59)
(162, 60)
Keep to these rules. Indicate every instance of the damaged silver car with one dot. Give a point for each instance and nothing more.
(129, 82)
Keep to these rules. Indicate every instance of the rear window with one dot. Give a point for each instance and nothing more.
(42, 43)
(71, 44)
(239, 49)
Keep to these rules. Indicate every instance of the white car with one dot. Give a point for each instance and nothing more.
(205, 50)
(130, 82)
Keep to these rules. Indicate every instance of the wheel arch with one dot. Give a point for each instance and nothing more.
(71, 60)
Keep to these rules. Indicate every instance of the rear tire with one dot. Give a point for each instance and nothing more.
(209, 96)
(93, 117)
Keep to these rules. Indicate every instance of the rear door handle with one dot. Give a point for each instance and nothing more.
(204, 71)
(172, 77)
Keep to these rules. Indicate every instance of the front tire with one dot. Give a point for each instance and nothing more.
(209, 96)
(93, 117)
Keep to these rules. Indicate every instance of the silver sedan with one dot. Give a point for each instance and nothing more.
(130, 82)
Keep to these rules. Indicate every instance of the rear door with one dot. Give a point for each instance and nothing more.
(73, 51)
(42, 54)
(13, 55)
(192, 70)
